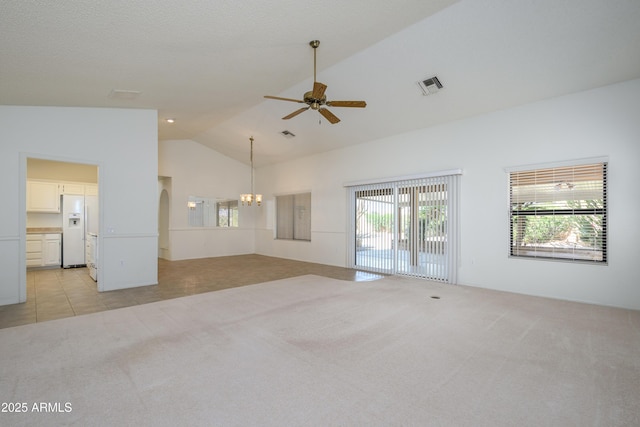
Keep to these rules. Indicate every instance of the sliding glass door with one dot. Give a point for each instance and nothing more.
(375, 222)
(406, 227)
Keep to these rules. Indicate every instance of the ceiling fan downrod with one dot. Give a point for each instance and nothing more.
(314, 44)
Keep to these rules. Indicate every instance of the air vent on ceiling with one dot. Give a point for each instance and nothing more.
(287, 134)
(124, 94)
(430, 85)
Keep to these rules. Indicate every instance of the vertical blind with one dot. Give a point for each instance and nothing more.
(559, 212)
(293, 216)
(406, 227)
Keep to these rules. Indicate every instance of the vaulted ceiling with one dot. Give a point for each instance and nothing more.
(208, 64)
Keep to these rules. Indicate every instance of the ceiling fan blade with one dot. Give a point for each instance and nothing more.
(284, 99)
(318, 90)
(357, 104)
(295, 113)
(329, 116)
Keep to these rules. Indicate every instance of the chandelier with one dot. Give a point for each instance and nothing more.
(249, 198)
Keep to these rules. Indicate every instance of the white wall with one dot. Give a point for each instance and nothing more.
(600, 122)
(196, 170)
(123, 143)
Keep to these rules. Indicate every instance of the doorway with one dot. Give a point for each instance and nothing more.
(49, 182)
(406, 227)
(164, 209)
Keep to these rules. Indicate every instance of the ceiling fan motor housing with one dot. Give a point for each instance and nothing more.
(313, 102)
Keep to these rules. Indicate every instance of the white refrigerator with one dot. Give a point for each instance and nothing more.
(73, 231)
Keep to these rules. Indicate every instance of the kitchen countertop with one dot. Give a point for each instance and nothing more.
(44, 230)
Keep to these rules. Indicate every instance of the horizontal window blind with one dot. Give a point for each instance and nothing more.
(559, 212)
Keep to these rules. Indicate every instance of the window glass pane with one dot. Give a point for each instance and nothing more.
(227, 213)
(223, 215)
(200, 211)
(233, 215)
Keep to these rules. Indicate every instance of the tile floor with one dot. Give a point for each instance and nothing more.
(57, 293)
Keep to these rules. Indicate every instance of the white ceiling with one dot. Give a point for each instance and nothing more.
(208, 63)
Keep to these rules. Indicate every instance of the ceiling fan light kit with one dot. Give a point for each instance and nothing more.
(316, 98)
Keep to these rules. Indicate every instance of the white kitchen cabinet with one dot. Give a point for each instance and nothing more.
(34, 250)
(91, 190)
(43, 196)
(51, 249)
(72, 188)
(43, 250)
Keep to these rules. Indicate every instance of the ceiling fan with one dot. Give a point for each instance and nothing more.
(316, 99)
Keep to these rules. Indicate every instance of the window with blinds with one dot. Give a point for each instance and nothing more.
(293, 217)
(559, 213)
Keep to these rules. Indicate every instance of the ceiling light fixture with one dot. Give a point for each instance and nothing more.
(170, 120)
(250, 197)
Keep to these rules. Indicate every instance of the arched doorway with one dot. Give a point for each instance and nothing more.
(163, 221)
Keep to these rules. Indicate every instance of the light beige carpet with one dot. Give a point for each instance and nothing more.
(314, 351)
